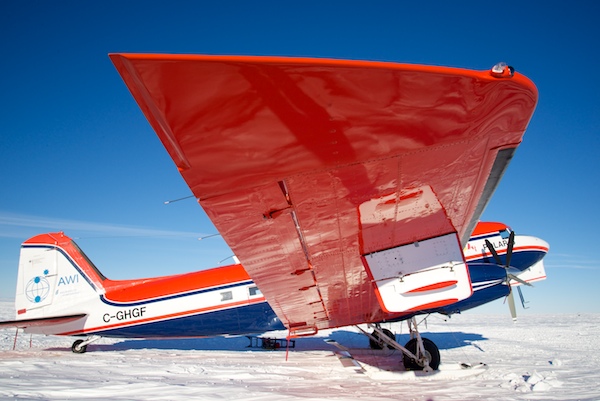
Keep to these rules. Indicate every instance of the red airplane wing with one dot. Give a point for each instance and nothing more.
(315, 171)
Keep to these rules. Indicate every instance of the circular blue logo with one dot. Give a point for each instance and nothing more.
(37, 289)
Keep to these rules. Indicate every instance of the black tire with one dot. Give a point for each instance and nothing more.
(380, 344)
(76, 348)
(431, 350)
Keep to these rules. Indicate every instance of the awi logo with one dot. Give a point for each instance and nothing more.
(37, 289)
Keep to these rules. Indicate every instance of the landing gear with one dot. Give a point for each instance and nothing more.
(80, 346)
(419, 353)
(376, 343)
(431, 355)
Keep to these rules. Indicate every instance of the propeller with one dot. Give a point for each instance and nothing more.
(509, 275)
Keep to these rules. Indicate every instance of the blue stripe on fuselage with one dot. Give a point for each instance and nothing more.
(250, 319)
(520, 259)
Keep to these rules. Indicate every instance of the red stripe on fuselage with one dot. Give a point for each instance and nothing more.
(125, 291)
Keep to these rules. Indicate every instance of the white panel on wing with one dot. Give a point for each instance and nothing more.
(421, 275)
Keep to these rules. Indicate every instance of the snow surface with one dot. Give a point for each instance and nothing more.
(546, 357)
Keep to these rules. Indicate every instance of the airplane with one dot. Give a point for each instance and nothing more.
(61, 292)
(347, 189)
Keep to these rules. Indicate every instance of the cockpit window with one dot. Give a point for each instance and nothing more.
(505, 233)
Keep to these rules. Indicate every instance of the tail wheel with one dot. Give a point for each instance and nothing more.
(378, 344)
(78, 348)
(432, 354)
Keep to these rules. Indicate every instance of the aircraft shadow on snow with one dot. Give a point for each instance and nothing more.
(350, 339)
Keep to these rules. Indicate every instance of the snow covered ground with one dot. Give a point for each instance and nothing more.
(539, 358)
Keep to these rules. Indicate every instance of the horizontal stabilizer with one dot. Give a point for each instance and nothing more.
(44, 321)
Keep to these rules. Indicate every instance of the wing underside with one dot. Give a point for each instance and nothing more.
(325, 176)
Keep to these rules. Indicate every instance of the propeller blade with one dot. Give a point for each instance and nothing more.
(509, 249)
(493, 251)
(511, 306)
(518, 280)
(509, 276)
(523, 302)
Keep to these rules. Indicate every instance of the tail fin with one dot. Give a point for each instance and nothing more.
(55, 278)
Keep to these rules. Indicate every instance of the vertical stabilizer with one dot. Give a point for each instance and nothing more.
(55, 278)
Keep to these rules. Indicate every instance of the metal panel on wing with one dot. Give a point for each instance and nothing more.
(420, 275)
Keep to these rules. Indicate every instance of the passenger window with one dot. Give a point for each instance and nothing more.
(226, 296)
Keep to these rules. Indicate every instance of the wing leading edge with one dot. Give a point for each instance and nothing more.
(307, 167)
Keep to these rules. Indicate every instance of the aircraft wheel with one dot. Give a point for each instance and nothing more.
(380, 344)
(78, 349)
(432, 353)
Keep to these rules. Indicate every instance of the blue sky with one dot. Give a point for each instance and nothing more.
(76, 153)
